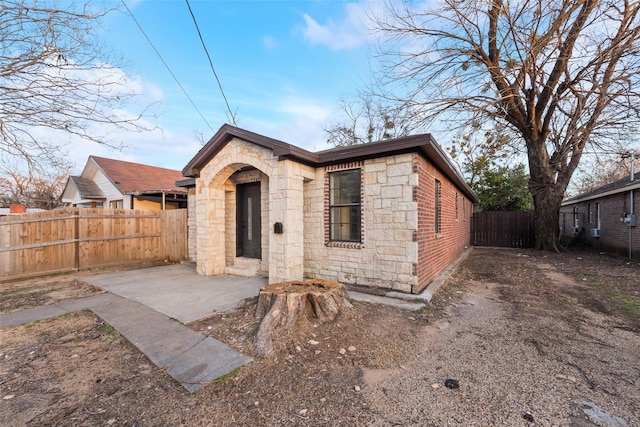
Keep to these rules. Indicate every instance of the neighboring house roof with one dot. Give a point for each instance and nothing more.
(619, 186)
(423, 143)
(87, 189)
(131, 177)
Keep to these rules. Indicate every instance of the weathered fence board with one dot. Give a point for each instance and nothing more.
(502, 229)
(77, 238)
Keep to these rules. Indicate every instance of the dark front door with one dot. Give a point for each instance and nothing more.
(248, 221)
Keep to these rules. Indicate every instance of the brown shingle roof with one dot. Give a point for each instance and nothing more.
(86, 188)
(131, 177)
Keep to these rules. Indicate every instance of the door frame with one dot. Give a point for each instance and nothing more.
(248, 229)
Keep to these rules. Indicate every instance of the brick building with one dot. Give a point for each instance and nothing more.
(390, 215)
(602, 218)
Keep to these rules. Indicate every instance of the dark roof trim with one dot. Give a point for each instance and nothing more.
(180, 192)
(423, 144)
(434, 153)
(226, 133)
(187, 183)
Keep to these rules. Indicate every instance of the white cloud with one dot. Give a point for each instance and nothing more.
(160, 147)
(157, 146)
(269, 42)
(299, 131)
(348, 33)
(153, 92)
(295, 118)
(302, 108)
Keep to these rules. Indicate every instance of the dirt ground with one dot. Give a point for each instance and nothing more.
(33, 292)
(530, 339)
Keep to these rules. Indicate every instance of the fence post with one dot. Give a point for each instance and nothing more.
(77, 239)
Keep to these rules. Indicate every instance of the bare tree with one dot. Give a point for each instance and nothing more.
(369, 118)
(56, 76)
(560, 74)
(601, 171)
(34, 191)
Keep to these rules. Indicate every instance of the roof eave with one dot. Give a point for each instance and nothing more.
(423, 143)
(593, 196)
(152, 191)
(227, 132)
(437, 156)
(186, 183)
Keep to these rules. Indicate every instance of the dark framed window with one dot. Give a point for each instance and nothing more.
(345, 205)
(438, 198)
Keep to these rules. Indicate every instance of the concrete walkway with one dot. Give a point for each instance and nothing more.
(168, 295)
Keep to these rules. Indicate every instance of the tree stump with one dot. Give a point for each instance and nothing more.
(281, 304)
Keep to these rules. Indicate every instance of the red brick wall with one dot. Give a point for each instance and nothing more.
(614, 235)
(437, 250)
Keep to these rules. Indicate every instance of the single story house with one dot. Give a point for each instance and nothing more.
(390, 215)
(605, 217)
(116, 184)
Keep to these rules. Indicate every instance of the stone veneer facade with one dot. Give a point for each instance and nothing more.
(399, 248)
(192, 246)
(281, 186)
(387, 253)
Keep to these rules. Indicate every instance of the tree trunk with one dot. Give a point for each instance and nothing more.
(280, 305)
(547, 183)
(546, 219)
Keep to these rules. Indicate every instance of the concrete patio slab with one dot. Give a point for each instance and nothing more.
(178, 292)
(384, 300)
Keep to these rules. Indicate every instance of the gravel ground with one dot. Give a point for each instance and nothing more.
(527, 346)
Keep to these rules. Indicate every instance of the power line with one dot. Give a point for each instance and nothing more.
(231, 115)
(166, 65)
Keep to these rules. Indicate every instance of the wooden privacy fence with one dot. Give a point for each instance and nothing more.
(78, 238)
(502, 229)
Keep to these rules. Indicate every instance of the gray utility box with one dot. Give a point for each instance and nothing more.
(630, 220)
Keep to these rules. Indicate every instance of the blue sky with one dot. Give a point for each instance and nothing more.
(283, 65)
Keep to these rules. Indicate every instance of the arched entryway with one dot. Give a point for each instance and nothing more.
(237, 218)
(228, 231)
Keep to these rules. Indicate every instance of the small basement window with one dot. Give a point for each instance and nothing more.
(345, 205)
